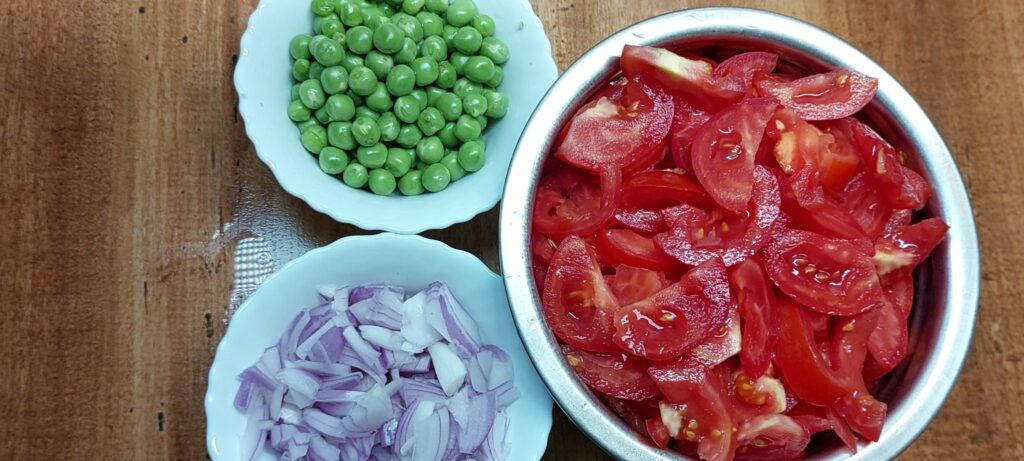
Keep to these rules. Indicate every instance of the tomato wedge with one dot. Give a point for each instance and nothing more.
(888, 341)
(689, 78)
(618, 375)
(908, 246)
(817, 419)
(662, 188)
(797, 143)
(577, 302)
(696, 236)
(771, 438)
(703, 411)
(643, 220)
(740, 70)
(901, 186)
(607, 134)
(631, 284)
(756, 302)
(724, 149)
(675, 319)
(859, 408)
(829, 96)
(801, 362)
(839, 159)
(623, 246)
(684, 127)
(569, 202)
(862, 200)
(811, 209)
(542, 247)
(658, 432)
(833, 277)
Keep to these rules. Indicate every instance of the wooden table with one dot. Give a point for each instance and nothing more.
(126, 179)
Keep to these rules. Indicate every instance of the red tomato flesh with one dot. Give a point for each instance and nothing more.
(829, 96)
(618, 375)
(756, 302)
(577, 303)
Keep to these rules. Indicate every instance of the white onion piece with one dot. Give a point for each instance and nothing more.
(382, 337)
(451, 372)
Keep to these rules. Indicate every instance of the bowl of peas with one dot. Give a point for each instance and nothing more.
(394, 115)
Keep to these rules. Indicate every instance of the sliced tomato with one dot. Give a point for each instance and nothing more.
(756, 302)
(839, 160)
(648, 160)
(696, 236)
(888, 341)
(722, 344)
(908, 246)
(623, 246)
(614, 90)
(618, 375)
(689, 78)
(849, 348)
(771, 438)
(577, 302)
(764, 395)
(703, 411)
(633, 413)
(898, 219)
(829, 96)
(724, 149)
(801, 362)
(658, 432)
(684, 127)
(812, 209)
(631, 284)
(569, 201)
(901, 186)
(643, 220)
(741, 69)
(866, 205)
(542, 247)
(797, 143)
(830, 276)
(817, 419)
(606, 134)
(540, 275)
(662, 188)
(677, 318)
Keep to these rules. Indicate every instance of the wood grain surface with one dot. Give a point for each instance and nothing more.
(126, 179)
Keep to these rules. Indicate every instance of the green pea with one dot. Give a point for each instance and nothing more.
(399, 161)
(388, 38)
(474, 104)
(433, 93)
(312, 94)
(328, 52)
(341, 39)
(426, 70)
(465, 86)
(431, 121)
(358, 100)
(479, 69)
(448, 34)
(380, 99)
(351, 61)
(413, 6)
(372, 156)
(303, 126)
(434, 47)
(436, 177)
(339, 134)
(315, 70)
(409, 136)
(333, 160)
(300, 70)
(366, 112)
(483, 121)
(467, 40)
(430, 150)
(484, 24)
(397, 3)
(365, 131)
(447, 136)
(446, 75)
(295, 91)
(314, 139)
(451, 162)
(458, 61)
(467, 129)
(410, 25)
(408, 52)
(472, 156)
(436, 6)
(334, 80)
(351, 15)
(450, 106)
(298, 112)
(322, 116)
(410, 183)
(497, 78)
(299, 46)
(461, 12)
(362, 81)
(420, 95)
(389, 126)
(401, 80)
(382, 182)
(355, 175)
(388, 10)
(360, 39)
(318, 21)
(340, 108)
(372, 13)
(379, 63)
(497, 104)
(322, 7)
(374, 21)
(495, 50)
(407, 109)
(331, 25)
(432, 24)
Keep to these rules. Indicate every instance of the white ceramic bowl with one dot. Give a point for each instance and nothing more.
(263, 80)
(408, 261)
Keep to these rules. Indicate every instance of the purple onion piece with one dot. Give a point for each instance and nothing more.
(482, 409)
(444, 313)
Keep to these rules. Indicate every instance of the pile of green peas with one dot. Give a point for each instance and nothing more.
(395, 94)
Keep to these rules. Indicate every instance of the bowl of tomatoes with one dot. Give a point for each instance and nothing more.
(729, 234)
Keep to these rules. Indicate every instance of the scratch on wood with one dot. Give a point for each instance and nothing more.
(160, 421)
(208, 320)
(145, 296)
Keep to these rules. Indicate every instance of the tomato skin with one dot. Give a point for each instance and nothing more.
(566, 202)
(577, 303)
(661, 188)
(686, 381)
(622, 246)
(801, 362)
(631, 284)
(859, 408)
(740, 70)
(828, 96)
(689, 78)
(805, 265)
(888, 342)
(674, 320)
(901, 186)
(906, 247)
(866, 205)
(643, 220)
(756, 302)
(771, 438)
(724, 149)
(811, 209)
(657, 431)
(684, 127)
(617, 375)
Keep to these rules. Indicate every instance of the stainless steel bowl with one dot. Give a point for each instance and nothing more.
(947, 292)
